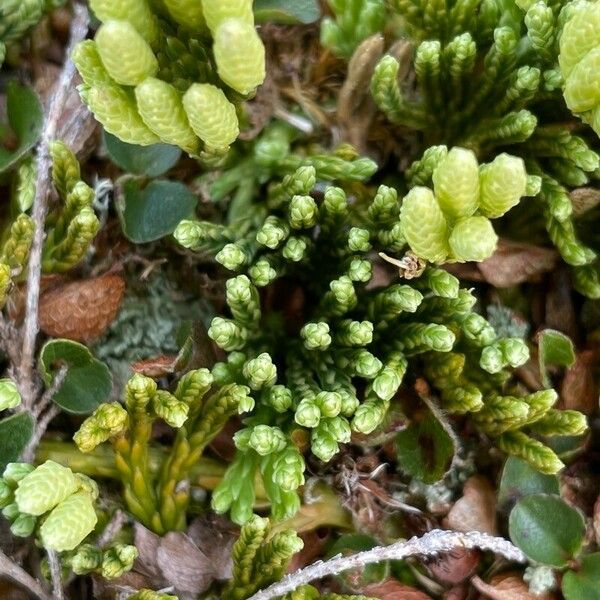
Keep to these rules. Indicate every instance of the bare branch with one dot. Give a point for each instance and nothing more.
(13, 571)
(79, 27)
(432, 543)
(55, 574)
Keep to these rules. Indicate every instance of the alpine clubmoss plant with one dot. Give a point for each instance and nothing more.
(18, 17)
(49, 501)
(491, 75)
(332, 367)
(174, 75)
(70, 227)
(160, 502)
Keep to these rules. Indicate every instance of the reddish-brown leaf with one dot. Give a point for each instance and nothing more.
(156, 367)
(507, 586)
(81, 310)
(393, 590)
(579, 390)
(476, 510)
(515, 262)
(454, 567)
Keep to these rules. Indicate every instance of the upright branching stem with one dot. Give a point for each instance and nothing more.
(25, 370)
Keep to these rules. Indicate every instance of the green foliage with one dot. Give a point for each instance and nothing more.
(353, 21)
(176, 79)
(260, 557)
(50, 501)
(338, 370)
(533, 528)
(159, 501)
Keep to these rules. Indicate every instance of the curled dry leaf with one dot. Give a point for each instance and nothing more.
(81, 310)
(454, 567)
(507, 586)
(579, 390)
(393, 590)
(515, 262)
(476, 510)
(584, 199)
(156, 367)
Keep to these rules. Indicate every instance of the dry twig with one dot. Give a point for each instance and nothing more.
(432, 543)
(14, 572)
(25, 372)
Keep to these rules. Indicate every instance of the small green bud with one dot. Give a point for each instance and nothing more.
(69, 523)
(107, 421)
(515, 351)
(125, 54)
(11, 511)
(307, 414)
(388, 380)
(473, 239)
(354, 333)
(161, 108)
(416, 336)
(169, 408)
(87, 559)
(279, 397)
(239, 54)
(118, 560)
(477, 329)
(88, 485)
(227, 334)
(273, 232)
(241, 439)
(358, 239)
(137, 12)
(338, 427)
(316, 336)
(289, 469)
(441, 283)
(329, 403)
(561, 422)
(323, 445)
(265, 439)
(193, 386)
(6, 494)
(25, 185)
(44, 488)
(211, 116)
(217, 11)
(424, 225)
(303, 212)
(295, 249)
(139, 391)
(262, 273)
(260, 372)
(14, 472)
(187, 13)
(503, 182)
(360, 270)
(9, 394)
(231, 256)
(23, 525)
(492, 359)
(369, 415)
(456, 183)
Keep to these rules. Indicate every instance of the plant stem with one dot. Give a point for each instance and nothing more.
(14, 572)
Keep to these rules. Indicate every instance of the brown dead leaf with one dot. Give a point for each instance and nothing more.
(183, 565)
(215, 535)
(507, 586)
(579, 390)
(81, 310)
(458, 592)
(584, 199)
(596, 521)
(156, 367)
(456, 566)
(516, 262)
(393, 590)
(314, 544)
(476, 510)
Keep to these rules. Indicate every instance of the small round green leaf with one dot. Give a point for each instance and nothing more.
(25, 117)
(520, 479)
(153, 212)
(546, 528)
(15, 433)
(88, 381)
(142, 160)
(583, 584)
